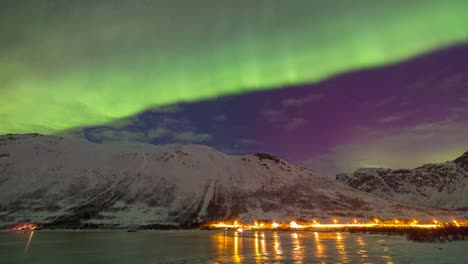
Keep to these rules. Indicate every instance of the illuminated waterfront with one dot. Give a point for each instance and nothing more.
(198, 246)
(333, 225)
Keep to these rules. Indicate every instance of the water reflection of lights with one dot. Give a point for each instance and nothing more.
(362, 252)
(225, 243)
(256, 247)
(277, 246)
(360, 241)
(319, 246)
(387, 256)
(236, 256)
(262, 244)
(29, 242)
(340, 246)
(297, 249)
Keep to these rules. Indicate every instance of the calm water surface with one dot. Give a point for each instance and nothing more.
(220, 247)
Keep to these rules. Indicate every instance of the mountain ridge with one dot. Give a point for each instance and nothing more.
(442, 185)
(71, 183)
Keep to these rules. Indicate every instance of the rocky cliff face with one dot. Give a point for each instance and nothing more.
(72, 183)
(442, 185)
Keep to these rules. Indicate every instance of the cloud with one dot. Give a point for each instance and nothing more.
(272, 115)
(281, 119)
(248, 141)
(109, 135)
(397, 148)
(280, 114)
(173, 124)
(294, 101)
(148, 127)
(389, 119)
(296, 122)
(158, 133)
(189, 136)
(112, 135)
(454, 81)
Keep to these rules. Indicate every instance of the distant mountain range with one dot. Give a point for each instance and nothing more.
(443, 185)
(71, 183)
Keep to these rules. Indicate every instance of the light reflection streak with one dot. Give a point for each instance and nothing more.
(344, 248)
(262, 244)
(387, 255)
(297, 248)
(319, 246)
(362, 252)
(225, 244)
(29, 242)
(236, 257)
(225, 248)
(277, 246)
(340, 246)
(256, 247)
(220, 241)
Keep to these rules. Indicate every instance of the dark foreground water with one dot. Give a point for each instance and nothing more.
(220, 247)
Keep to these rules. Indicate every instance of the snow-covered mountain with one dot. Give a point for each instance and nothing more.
(70, 183)
(443, 185)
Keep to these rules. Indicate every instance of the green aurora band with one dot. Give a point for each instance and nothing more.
(65, 64)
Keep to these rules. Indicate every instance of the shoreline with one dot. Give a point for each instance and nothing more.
(435, 235)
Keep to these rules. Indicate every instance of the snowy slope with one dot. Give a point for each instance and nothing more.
(442, 185)
(71, 183)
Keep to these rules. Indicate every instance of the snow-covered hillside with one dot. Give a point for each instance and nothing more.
(442, 185)
(71, 183)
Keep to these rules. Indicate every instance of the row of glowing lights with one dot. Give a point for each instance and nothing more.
(21, 227)
(315, 224)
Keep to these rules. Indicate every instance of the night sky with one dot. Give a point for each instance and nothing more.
(333, 85)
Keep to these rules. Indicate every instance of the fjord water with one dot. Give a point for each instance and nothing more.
(220, 247)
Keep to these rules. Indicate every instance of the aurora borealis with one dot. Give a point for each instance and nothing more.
(399, 116)
(66, 64)
(333, 85)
